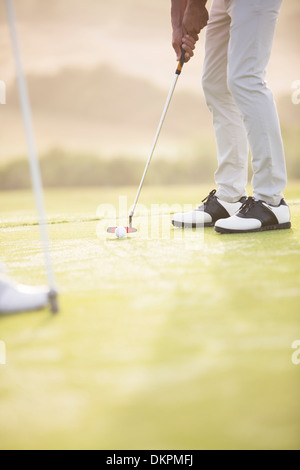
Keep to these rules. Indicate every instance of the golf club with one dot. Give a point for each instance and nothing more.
(33, 159)
(131, 229)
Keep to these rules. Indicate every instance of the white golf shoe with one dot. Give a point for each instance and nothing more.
(208, 213)
(15, 298)
(256, 216)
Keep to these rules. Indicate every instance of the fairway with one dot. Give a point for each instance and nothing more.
(165, 340)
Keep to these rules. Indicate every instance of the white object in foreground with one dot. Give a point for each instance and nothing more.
(32, 153)
(121, 232)
(16, 298)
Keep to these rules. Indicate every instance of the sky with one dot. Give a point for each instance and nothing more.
(133, 38)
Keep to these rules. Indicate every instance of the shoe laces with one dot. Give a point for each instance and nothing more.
(210, 196)
(247, 205)
(207, 199)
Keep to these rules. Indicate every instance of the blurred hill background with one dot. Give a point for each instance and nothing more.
(98, 75)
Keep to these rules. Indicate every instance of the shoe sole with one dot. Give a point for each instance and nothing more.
(261, 229)
(195, 225)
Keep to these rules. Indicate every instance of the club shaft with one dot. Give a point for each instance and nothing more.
(153, 146)
(32, 152)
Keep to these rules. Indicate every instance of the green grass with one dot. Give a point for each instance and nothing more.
(170, 341)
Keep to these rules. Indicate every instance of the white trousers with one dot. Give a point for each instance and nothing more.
(239, 38)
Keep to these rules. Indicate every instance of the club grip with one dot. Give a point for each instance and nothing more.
(180, 62)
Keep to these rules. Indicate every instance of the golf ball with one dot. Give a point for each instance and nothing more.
(121, 232)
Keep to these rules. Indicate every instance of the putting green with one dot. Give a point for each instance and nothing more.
(165, 340)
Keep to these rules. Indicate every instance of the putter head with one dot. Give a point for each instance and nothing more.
(128, 229)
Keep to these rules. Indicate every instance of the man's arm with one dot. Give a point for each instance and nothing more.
(188, 17)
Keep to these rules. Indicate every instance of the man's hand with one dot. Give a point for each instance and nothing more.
(188, 18)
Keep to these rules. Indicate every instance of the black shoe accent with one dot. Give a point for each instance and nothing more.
(253, 209)
(282, 203)
(212, 207)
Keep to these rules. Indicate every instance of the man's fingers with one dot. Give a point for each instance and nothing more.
(177, 41)
(188, 52)
(188, 42)
(178, 52)
(194, 36)
(184, 41)
(177, 49)
(188, 45)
